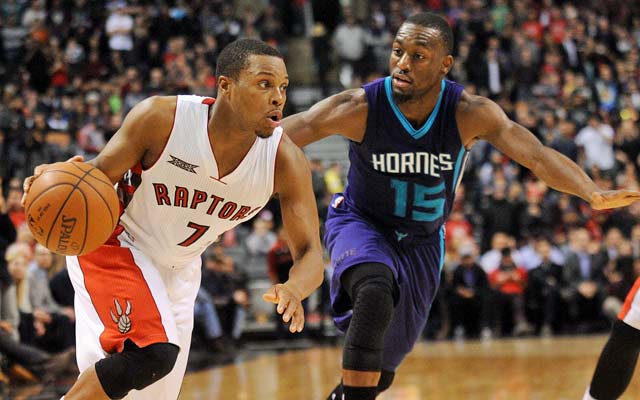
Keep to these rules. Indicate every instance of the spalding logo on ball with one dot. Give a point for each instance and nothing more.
(72, 208)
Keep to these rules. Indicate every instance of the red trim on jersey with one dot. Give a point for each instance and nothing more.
(111, 274)
(627, 303)
(173, 123)
(208, 101)
(216, 179)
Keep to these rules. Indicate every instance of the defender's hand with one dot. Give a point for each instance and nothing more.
(613, 199)
(289, 305)
(37, 171)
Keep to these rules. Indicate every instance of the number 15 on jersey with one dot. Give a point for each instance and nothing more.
(426, 204)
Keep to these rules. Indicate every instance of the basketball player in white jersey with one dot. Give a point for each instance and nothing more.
(194, 168)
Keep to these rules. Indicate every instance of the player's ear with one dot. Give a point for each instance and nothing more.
(224, 85)
(447, 64)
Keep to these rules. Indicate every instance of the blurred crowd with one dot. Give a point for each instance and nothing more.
(521, 258)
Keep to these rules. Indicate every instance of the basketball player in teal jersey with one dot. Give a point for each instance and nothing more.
(409, 137)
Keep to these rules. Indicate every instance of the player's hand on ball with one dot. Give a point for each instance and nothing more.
(613, 199)
(289, 305)
(37, 171)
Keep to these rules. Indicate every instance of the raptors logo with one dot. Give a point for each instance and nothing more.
(122, 320)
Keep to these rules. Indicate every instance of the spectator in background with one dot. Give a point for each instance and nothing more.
(378, 40)
(206, 321)
(227, 287)
(620, 276)
(606, 88)
(59, 321)
(584, 274)
(18, 256)
(499, 214)
(333, 179)
(596, 139)
(545, 286)
(509, 282)
(7, 236)
(42, 365)
(564, 142)
(350, 42)
(469, 304)
(119, 26)
(260, 241)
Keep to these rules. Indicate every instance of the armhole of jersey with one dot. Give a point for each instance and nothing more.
(275, 164)
(455, 112)
(173, 124)
(370, 116)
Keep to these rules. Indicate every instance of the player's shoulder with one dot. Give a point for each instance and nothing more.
(470, 103)
(478, 115)
(477, 108)
(288, 153)
(290, 163)
(158, 105)
(151, 118)
(156, 109)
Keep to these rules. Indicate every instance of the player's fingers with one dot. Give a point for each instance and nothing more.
(292, 308)
(271, 295)
(77, 158)
(37, 171)
(298, 321)
(282, 305)
(26, 185)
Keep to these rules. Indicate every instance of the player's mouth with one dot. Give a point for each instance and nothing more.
(401, 81)
(274, 118)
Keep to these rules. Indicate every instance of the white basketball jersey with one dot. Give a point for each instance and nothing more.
(181, 205)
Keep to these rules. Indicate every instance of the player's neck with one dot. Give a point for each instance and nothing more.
(229, 142)
(225, 131)
(418, 109)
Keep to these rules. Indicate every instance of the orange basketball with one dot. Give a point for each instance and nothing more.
(72, 208)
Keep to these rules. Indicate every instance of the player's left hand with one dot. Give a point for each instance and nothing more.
(613, 199)
(289, 305)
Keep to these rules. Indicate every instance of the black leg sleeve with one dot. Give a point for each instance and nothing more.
(617, 362)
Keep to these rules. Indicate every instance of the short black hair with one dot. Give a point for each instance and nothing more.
(235, 56)
(434, 21)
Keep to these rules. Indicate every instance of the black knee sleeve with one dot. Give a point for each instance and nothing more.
(386, 379)
(135, 367)
(617, 363)
(371, 288)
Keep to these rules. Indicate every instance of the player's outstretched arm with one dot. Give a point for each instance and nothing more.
(344, 113)
(481, 118)
(300, 218)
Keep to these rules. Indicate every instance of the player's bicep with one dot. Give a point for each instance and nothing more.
(344, 113)
(298, 204)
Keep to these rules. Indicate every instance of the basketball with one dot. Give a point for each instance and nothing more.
(72, 208)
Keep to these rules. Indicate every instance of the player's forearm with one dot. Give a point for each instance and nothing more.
(562, 174)
(297, 128)
(307, 273)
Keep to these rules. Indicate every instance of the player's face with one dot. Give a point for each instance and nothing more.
(260, 94)
(418, 62)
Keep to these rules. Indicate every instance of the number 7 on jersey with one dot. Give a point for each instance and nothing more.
(199, 231)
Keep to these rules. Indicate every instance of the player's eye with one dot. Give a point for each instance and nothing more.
(284, 88)
(418, 56)
(397, 52)
(264, 84)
